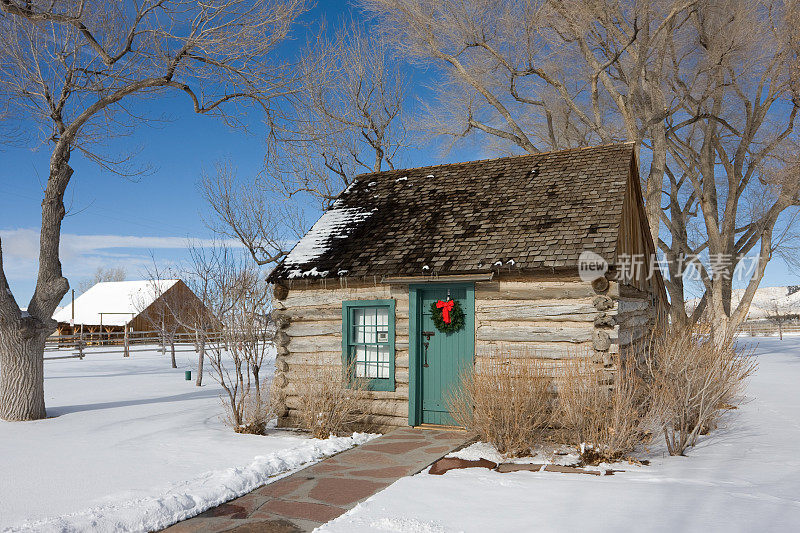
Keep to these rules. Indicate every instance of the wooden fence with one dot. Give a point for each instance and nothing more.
(764, 329)
(127, 343)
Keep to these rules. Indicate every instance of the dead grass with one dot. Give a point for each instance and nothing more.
(330, 403)
(605, 420)
(692, 380)
(507, 402)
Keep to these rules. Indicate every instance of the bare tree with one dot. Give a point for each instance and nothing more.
(349, 116)
(706, 90)
(779, 313)
(245, 210)
(201, 277)
(544, 75)
(166, 309)
(73, 67)
(734, 165)
(251, 324)
(101, 275)
(348, 119)
(237, 344)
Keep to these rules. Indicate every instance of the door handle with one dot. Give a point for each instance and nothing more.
(427, 335)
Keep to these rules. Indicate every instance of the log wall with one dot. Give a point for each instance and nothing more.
(553, 319)
(310, 333)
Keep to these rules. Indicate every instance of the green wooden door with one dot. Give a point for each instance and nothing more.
(447, 356)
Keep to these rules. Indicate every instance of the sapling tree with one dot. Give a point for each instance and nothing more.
(236, 346)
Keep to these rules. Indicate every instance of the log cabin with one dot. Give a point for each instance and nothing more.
(501, 238)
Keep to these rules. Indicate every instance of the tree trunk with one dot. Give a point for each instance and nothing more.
(22, 336)
(172, 352)
(258, 384)
(200, 359)
(21, 374)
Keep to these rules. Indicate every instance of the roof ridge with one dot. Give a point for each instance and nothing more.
(518, 156)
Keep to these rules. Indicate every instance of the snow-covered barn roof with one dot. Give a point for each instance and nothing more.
(530, 212)
(118, 301)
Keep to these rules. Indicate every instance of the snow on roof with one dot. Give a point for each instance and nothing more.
(333, 224)
(118, 301)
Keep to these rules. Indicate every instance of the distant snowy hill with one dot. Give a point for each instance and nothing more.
(766, 300)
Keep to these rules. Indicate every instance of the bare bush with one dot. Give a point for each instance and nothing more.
(332, 402)
(693, 378)
(605, 420)
(506, 401)
(232, 329)
(256, 411)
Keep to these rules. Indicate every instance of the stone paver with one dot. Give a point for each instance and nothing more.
(323, 491)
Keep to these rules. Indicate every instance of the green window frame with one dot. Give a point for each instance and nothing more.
(368, 341)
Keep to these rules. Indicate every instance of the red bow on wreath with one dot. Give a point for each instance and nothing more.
(446, 307)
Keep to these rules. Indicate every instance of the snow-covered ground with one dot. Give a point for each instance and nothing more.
(133, 446)
(743, 477)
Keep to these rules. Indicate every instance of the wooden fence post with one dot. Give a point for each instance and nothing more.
(80, 344)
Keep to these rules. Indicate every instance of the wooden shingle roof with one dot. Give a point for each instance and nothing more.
(527, 212)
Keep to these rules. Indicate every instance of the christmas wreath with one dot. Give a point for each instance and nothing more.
(448, 317)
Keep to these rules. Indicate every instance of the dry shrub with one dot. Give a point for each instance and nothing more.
(257, 414)
(330, 402)
(693, 379)
(605, 419)
(254, 410)
(506, 401)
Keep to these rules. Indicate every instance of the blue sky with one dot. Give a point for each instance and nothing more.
(118, 222)
(113, 221)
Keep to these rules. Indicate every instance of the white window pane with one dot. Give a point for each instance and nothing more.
(361, 353)
(372, 365)
(383, 317)
(370, 331)
(383, 354)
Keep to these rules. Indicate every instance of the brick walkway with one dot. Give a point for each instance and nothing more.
(321, 492)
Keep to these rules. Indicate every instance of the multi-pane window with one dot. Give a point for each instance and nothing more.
(369, 341)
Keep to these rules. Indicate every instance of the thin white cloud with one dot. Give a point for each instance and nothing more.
(23, 243)
(81, 255)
